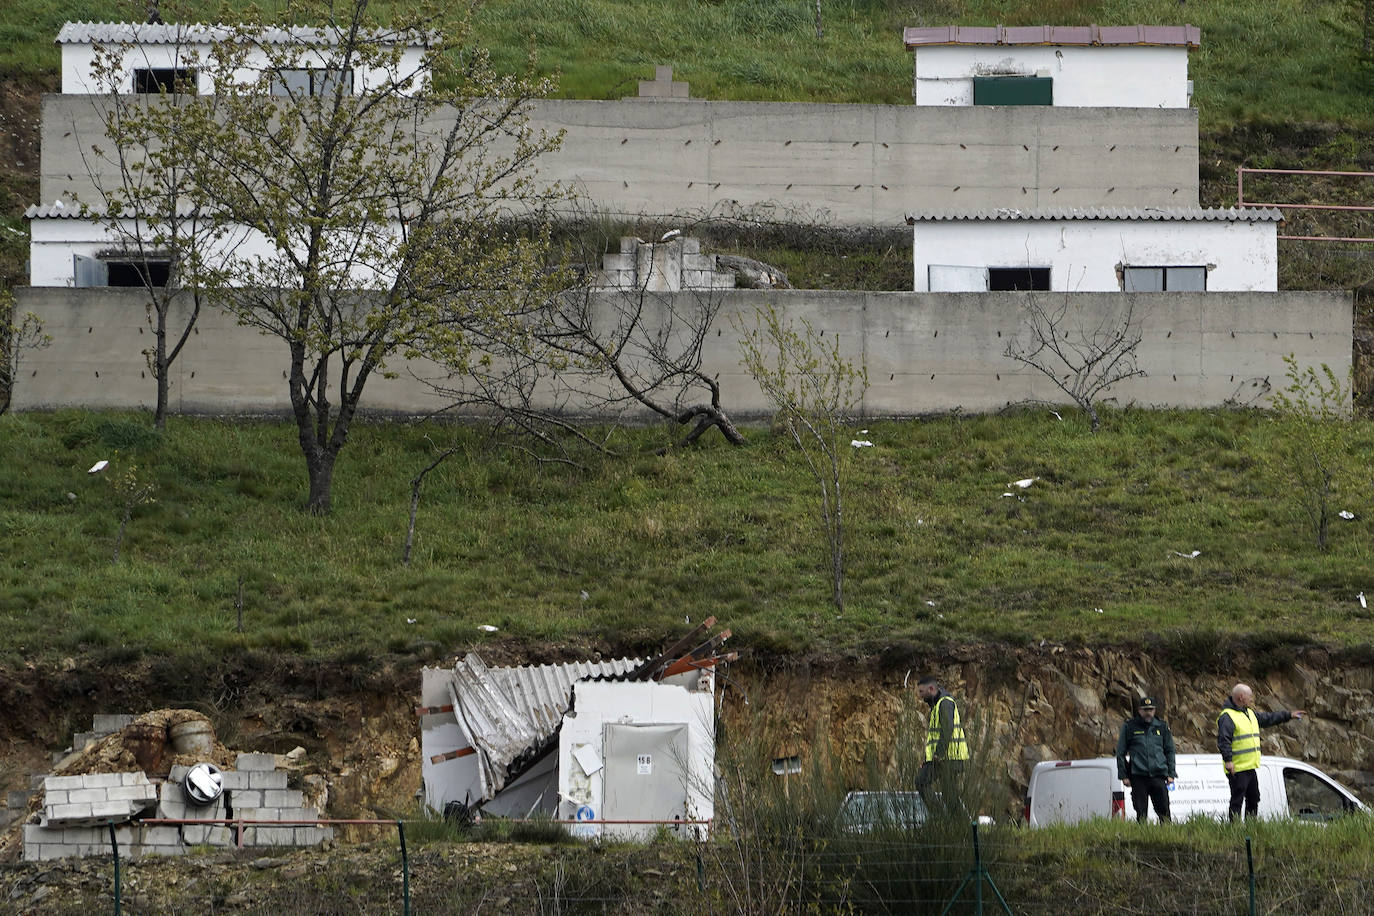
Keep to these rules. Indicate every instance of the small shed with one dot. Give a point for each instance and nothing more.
(620, 746)
(1091, 66)
(1129, 249)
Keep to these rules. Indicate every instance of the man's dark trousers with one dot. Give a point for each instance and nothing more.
(1244, 788)
(1147, 789)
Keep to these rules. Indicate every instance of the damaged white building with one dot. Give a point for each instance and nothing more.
(617, 747)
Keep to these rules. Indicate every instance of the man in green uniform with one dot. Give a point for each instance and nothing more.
(1238, 741)
(1145, 761)
(946, 748)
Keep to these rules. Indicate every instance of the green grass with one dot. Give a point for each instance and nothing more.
(935, 552)
(1273, 61)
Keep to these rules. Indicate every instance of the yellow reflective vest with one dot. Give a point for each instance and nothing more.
(957, 748)
(1245, 743)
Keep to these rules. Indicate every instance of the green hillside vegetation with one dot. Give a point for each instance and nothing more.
(1275, 61)
(635, 547)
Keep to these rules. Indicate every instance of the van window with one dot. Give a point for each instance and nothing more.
(1312, 798)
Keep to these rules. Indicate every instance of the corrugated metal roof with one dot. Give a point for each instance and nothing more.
(511, 712)
(1182, 214)
(544, 692)
(67, 209)
(1185, 36)
(203, 33)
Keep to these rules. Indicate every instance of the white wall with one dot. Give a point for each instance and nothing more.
(599, 703)
(1083, 255)
(78, 61)
(1084, 77)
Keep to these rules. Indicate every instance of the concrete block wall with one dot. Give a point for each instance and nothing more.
(662, 267)
(77, 810)
(96, 798)
(925, 352)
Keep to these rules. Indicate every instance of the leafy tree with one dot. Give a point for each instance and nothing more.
(815, 392)
(375, 214)
(1312, 452)
(18, 333)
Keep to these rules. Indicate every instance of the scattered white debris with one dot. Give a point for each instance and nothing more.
(920, 521)
(487, 628)
(1008, 494)
(1346, 514)
(584, 595)
(671, 233)
(931, 603)
(1098, 609)
(1187, 556)
(860, 443)
(1023, 483)
(1056, 415)
(1363, 603)
(863, 432)
(71, 497)
(410, 620)
(99, 466)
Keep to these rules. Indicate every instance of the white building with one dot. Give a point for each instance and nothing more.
(157, 57)
(67, 248)
(1099, 250)
(1136, 66)
(583, 741)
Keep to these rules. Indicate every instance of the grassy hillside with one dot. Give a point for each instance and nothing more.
(634, 548)
(1284, 60)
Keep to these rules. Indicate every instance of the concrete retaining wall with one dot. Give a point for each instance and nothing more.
(925, 352)
(851, 165)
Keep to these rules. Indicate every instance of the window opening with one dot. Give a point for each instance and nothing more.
(155, 80)
(1004, 279)
(304, 81)
(1312, 798)
(1164, 279)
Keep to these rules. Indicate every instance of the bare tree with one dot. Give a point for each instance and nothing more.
(815, 392)
(1084, 355)
(592, 351)
(146, 200)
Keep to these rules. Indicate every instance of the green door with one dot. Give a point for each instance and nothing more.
(1013, 90)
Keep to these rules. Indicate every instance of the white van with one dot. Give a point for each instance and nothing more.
(1069, 791)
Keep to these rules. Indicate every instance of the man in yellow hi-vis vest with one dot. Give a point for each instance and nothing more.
(946, 747)
(1238, 740)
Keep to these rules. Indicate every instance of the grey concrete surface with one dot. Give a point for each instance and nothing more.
(925, 352)
(847, 165)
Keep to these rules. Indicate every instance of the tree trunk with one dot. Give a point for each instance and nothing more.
(160, 370)
(319, 463)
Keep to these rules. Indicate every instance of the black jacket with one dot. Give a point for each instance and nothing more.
(1145, 750)
(1226, 729)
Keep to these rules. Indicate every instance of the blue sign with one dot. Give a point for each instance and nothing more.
(585, 813)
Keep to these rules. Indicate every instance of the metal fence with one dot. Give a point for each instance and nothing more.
(973, 870)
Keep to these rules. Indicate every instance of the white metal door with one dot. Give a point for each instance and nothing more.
(950, 278)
